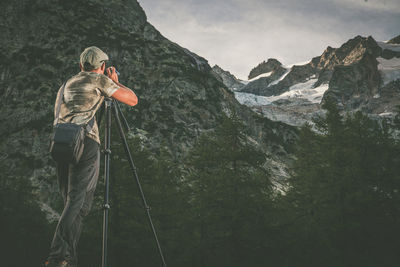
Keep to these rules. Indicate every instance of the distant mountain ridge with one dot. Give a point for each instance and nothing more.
(362, 74)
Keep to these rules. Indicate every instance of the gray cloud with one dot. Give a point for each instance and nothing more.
(239, 34)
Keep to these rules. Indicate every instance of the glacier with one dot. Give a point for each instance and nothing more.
(304, 90)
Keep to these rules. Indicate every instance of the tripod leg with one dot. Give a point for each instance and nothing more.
(107, 152)
(133, 168)
(125, 122)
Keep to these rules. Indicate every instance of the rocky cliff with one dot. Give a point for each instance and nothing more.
(363, 74)
(179, 96)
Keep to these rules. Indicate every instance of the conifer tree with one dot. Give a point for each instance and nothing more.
(230, 194)
(345, 193)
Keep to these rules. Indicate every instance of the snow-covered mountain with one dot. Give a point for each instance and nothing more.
(362, 74)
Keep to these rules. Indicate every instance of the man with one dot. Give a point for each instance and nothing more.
(83, 95)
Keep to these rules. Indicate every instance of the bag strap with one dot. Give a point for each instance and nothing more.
(89, 125)
(60, 99)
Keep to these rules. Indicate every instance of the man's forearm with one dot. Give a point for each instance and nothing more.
(123, 86)
(125, 95)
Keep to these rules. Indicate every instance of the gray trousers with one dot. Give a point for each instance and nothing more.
(77, 185)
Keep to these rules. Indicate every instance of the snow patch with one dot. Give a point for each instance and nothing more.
(280, 78)
(389, 69)
(394, 47)
(251, 99)
(263, 75)
(304, 90)
(296, 64)
(306, 85)
(288, 69)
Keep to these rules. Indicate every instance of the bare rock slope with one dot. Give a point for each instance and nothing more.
(179, 96)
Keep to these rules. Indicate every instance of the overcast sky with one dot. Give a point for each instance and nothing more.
(239, 34)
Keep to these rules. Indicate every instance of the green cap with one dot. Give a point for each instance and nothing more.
(92, 58)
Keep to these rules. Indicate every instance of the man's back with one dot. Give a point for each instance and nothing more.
(83, 95)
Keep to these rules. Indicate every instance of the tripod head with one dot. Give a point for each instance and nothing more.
(114, 104)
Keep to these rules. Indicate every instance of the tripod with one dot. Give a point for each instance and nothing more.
(111, 105)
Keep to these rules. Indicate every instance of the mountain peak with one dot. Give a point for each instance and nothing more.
(395, 40)
(350, 52)
(358, 42)
(264, 67)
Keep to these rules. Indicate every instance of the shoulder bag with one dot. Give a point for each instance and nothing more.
(67, 139)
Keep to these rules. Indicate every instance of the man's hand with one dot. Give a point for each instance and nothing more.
(112, 74)
(123, 94)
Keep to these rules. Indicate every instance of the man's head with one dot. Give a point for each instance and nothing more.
(93, 58)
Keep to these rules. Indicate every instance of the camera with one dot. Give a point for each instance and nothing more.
(105, 70)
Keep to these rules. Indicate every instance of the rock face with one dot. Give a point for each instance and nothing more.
(358, 82)
(227, 78)
(179, 96)
(362, 74)
(271, 65)
(352, 84)
(350, 52)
